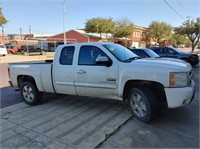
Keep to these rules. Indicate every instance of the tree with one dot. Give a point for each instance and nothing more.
(2, 18)
(191, 29)
(159, 30)
(100, 25)
(123, 28)
(178, 39)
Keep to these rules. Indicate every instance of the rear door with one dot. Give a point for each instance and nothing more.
(64, 71)
(95, 80)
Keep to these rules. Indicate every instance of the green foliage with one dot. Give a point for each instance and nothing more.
(100, 25)
(121, 28)
(159, 30)
(191, 29)
(178, 39)
(2, 18)
(124, 28)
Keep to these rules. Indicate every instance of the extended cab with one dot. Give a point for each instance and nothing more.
(107, 70)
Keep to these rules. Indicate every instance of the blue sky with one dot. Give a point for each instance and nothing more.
(46, 16)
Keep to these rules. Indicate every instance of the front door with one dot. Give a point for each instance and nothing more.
(92, 79)
(171, 53)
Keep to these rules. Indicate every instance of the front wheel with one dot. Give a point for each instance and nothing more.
(30, 93)
(142, 103)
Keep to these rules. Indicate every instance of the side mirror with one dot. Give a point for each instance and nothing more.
(103, 60)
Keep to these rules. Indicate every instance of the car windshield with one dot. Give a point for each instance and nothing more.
(152, 54)
(121, 53)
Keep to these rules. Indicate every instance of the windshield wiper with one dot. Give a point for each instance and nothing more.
(131, 59)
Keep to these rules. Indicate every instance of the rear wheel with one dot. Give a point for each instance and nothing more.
(142, 103)
(30, 93)
(26, 53)
(43, 52)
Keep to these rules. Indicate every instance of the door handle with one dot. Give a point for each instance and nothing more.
(80, 71)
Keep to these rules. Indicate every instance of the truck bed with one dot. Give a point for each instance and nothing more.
(41, 71)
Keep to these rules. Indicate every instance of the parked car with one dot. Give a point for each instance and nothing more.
(144, 52)
(171, 52)
(148, 53)
(3, 50)
(32, 49)
(12, 49)
(107, 70)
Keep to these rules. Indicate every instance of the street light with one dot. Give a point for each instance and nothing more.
(64, 16)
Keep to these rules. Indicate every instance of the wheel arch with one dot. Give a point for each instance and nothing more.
(25, 78)
(156, 87)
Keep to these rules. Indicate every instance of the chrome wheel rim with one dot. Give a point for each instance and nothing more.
(138, 105)
(28, 93)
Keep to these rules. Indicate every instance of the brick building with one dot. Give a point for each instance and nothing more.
(139, 37)
(75, 36)
(72, 36)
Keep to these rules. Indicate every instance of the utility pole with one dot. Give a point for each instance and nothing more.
(2, 34)
(20, 30)
(64, 20)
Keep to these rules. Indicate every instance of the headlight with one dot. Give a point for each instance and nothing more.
(178, 79)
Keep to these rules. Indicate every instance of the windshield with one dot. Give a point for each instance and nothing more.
(119, 52)
(152, 54)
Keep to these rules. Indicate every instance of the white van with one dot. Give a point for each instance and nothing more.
(3, 50)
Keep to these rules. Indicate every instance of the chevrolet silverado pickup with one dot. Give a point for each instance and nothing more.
(107, 70)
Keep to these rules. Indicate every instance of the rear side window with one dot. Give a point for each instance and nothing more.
(140, 53)
(67, 55)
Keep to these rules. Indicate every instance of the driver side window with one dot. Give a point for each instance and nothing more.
(89, 54)
(170, 51)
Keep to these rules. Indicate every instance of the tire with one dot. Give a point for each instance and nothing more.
(143, 103)
(43, 52)
(30, 93)
(26, 53)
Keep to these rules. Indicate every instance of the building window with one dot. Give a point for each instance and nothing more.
(136, 34)
(143, 35)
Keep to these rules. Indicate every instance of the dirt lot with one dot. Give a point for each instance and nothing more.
(10, 58)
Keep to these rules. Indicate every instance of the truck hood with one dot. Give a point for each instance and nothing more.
(165, 63)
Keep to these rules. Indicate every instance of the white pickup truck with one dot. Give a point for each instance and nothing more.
(107, 70)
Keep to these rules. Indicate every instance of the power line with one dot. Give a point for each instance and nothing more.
(183, 7)
(174, 10)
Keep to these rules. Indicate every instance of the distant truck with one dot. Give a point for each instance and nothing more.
(12, 49)
(107, 70)
(32, 49)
